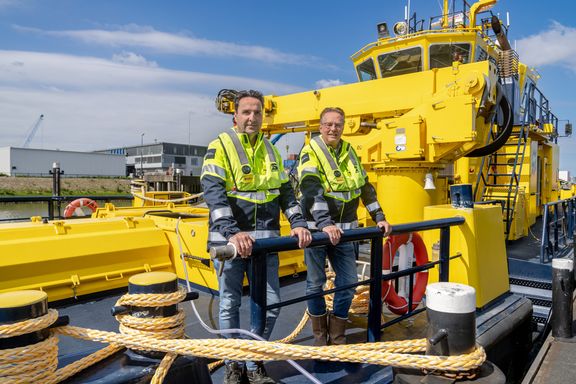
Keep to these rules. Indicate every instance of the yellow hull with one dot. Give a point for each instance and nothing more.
(69, 258)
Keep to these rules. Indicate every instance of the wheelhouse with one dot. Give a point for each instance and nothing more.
(451, 37)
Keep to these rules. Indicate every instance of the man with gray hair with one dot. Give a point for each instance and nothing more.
(332, 181)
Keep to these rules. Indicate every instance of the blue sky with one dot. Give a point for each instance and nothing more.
(104, 72)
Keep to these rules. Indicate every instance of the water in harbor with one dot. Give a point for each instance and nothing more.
(24, 210)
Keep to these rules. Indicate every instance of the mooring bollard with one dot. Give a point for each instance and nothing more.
(19, 306)
(56, 172)
(451, 310)
(562, 291)
(29, 354)
(451, 319)
(151, 283)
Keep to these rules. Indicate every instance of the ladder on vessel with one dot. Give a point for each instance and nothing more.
(499, 178)
(500, 175)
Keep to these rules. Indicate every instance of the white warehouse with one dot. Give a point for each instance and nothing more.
(38, 162)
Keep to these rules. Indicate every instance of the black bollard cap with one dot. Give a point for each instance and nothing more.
(22, 305)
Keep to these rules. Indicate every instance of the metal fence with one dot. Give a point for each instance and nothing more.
(558, 224)
(263, 246)
(54, 202)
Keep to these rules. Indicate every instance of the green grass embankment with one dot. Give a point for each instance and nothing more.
(42, 186)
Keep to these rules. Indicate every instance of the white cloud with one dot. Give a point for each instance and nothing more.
(91, 103)
(132, 58)
(147, 38)
(9, 3)
(325, 83)
(552, 47)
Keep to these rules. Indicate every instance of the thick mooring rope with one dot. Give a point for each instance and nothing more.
(360, 301)
(30, 364)
(396, 353)
(38, 362)
(288, 339)
(153, 299)
(28, 326)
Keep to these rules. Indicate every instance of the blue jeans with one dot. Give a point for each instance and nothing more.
(230, 288)
(343, 260)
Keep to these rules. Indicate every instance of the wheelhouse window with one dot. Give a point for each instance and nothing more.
(400, 62)
(366, 70)
(442, 55)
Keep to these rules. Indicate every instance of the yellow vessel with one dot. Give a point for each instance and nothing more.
(433, 107)
(438, 104)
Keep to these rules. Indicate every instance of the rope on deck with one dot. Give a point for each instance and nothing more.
(396, 353)
(360, 301)
(38, 362)
(288, 339)
(154, 328)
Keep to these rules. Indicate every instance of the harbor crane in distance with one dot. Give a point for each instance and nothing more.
(32, 131)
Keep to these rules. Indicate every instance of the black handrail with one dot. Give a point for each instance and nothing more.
(264, 246)
(559, 217)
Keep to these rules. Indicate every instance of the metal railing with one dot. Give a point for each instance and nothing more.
(54, 203)
(264, 246)
(558, 224)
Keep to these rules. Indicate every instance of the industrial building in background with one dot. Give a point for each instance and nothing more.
(162, 158)
(38, 162)
(153, 159)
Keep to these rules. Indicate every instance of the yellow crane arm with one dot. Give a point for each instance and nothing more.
(432, 116)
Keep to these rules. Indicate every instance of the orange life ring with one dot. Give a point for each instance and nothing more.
(396, 303)
(81, 202)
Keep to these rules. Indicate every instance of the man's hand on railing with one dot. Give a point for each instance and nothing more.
(385, 227)
(304, 236)
(334, 233)
(243, 243)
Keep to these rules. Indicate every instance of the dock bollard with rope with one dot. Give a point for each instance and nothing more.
(29, 350)
(151, 309)
(451, 314)
(396, 353)
(462, 346)
(24, 322)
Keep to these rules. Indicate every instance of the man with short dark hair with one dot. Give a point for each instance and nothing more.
(332, 181)
(245, 187)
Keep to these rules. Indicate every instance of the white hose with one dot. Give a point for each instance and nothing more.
(304, 372)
